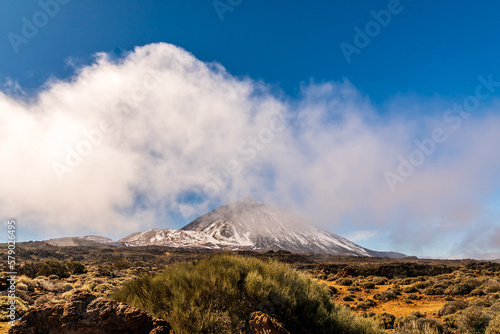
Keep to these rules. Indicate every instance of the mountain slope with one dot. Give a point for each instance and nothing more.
(173, 238)
(249, 224)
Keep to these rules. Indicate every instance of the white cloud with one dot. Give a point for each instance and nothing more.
(362, 235)
(160, 123)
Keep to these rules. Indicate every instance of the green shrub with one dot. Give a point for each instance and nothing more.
(417, 323)
(481, 302)
(433, 291)
(120, 264)
(366, 304)
(368, 285)
(472, 320)
(24, 296)
(344, 281)
(379, 281)
(63, 287)
(407, 281)
(385, 320)
(21, 307)
(491, 286)
(348, 298)
(477, 292)
(103, 288)
(459, 289)
(494, 326)
(421, 285)
(75, 267)
(450, 321)
(410, 289)
(60, 269)
(452, 307)
(412, 296)
(216, 295)
(45, 284)
(386, 295)
(333, 290)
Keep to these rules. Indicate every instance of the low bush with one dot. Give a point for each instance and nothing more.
(22, 286)
(472, 320)
(45, 284)
(410, 289)
(333, 290)
(379, 281)
(57, 268)
(412, 296)
(20, 305)
(345, 281)
(364, 305)
(434, 291)
(368, 285)
(477, 292)
(491, 286)
(386, 295)
(494, 326)
(46, 298)
(407, 281)
(103, 288)
(417, 323)
(385, 320)
(25, 296)
(452, 307)
(459, 289)
(217, 294)
(63, 287)
(348, 298)
(421, 285)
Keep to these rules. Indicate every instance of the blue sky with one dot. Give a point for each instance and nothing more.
(428, 48)
(415, 67)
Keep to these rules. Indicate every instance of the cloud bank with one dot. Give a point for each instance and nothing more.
(158, 137)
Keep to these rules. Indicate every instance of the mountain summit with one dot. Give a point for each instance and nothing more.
(249, 224)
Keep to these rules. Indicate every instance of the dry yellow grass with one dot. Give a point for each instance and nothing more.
(4, 327)
(428, 305)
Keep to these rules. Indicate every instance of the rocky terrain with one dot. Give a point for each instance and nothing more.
(450, 295)
(85, 313)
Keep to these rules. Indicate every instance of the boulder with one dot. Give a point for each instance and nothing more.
(86, 313)
(261, 323)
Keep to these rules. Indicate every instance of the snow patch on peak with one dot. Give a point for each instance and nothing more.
(249, 224)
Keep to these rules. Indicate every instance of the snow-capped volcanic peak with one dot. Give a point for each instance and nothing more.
(249, 223)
